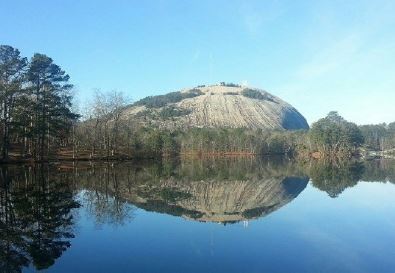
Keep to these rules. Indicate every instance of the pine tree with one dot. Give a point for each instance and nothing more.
(51, 101)
(12, 68)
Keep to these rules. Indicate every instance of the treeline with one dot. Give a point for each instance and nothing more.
(35, 105)
(147, 142)
(239, 141)
(331, 136)
(110, 135)
(379, 137)
(37, 122)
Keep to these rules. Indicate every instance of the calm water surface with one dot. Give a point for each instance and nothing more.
(222, 215)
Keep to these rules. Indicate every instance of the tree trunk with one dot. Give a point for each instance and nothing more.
(5, 132)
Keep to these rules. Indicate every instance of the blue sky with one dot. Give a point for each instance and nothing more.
(317, 55)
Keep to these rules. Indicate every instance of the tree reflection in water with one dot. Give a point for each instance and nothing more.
(36, 217)
(101, 194)
(335, 177)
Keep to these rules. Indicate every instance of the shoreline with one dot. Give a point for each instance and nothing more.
(190, 155)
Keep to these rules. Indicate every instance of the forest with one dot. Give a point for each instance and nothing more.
(40, 123)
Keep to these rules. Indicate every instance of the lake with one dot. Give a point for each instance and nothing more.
(211, 215)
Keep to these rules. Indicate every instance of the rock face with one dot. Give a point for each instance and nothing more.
(222, 201)
(217, 106)
(222, 191)
(210, 200)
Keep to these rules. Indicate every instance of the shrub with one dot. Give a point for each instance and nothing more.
(171, 111)
(255, 94)
(229, 84)
(163, 100)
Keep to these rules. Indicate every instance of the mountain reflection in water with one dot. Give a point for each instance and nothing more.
(40, 204)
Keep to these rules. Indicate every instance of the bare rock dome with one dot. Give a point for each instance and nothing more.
(217, 106)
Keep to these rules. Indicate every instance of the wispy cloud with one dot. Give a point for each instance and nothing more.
(255, 17)
(211, 66)
(195, 56)
(346, 64)
(330, 59)
(253, 22)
